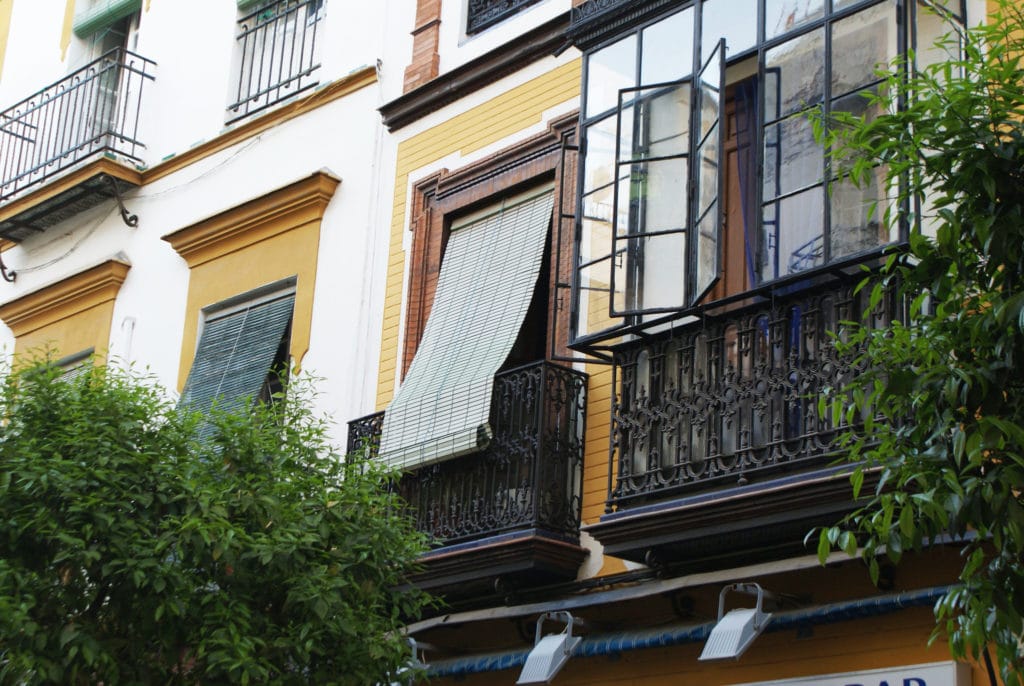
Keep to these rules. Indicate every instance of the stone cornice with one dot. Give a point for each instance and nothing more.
(69, 296)
(293, 205)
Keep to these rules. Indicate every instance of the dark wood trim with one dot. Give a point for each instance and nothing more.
(733, 527)
(517, 562)
(438, 197)
(445, 89)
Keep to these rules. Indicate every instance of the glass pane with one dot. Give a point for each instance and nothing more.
(668, 49)
(657, 196)
(794, 75)
(719, 21)
(655, 273)
(861, 44)
(596, 227)
(662, 117)
(792, 158)
(860, 105)
(783, 16)
(930, 29)
(858, 216)
(594, 298)
(793, 234)
(707, 181)
(599, 164)
(707, 248)
(609, 70)
(710, 94)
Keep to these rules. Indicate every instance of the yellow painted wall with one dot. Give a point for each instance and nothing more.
(68, 316)
(71, 334)
(293, 253)
(66, 27)
(6, 7)
(488, 123)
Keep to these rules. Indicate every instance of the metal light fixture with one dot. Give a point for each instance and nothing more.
(735, 631)
(549, 653)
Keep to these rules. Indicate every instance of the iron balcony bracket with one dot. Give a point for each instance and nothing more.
(8, 275)
(130, 219)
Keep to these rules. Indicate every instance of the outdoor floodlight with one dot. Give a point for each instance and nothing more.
(735, 631)
(549, 653)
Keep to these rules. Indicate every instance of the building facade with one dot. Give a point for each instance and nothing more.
(571, 266)
(616, 260)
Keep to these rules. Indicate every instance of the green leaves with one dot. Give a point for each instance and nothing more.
(130, 552)
(949, 384)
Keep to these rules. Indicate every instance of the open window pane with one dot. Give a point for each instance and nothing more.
(708, 173)
(654, 277)
(656, 197)
(599, 166)
(654, 122)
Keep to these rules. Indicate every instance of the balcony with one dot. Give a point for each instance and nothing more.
(72, 145)
(511, 511)
(717, 440)
(482, 14)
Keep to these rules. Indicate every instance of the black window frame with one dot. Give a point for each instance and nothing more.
(905, 18)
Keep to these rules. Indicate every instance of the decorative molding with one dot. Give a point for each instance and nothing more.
(595, 21)
(268, 215)
(64, 298)
(474, 75)
(445, 192)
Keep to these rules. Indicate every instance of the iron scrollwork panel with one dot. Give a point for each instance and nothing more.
(732, 398)
(529, 476)
(484, 13)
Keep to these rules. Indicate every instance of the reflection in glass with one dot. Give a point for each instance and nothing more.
(608, 71)
(783, 16)
(599, 163)
(797, 73)
(728, 19)
(668, 49)
(930, 28)
(656, 273)
(657, 196)
(793, 239)
(861, 44)
(792, 158)
(858, 216)
(661, 117)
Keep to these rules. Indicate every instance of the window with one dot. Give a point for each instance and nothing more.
(699, 154)
(242, 351)
(488, 280)
(278, 53)
(482, 14)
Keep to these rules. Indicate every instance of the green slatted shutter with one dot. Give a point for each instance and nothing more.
(235, 353)
(483, 292)
(103, 14)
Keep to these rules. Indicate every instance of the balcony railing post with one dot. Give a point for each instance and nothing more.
(92, 110)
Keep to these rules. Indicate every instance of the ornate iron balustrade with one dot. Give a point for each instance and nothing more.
(733, 398)
(484, 13)
(93, 110)
(278, 54)
(364, 435)
(530, 476)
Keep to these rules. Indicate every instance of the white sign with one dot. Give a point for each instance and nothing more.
(933, 674)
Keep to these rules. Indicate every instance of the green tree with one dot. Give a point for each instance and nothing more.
(943, 403)
(133, 553)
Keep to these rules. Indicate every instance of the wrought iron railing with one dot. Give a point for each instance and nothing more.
(278, 54)
(734, 398)
(484, 13)
(92, 110)
(530, 476)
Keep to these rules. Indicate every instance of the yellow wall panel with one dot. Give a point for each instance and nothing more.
(503, 116)
(6, 7)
